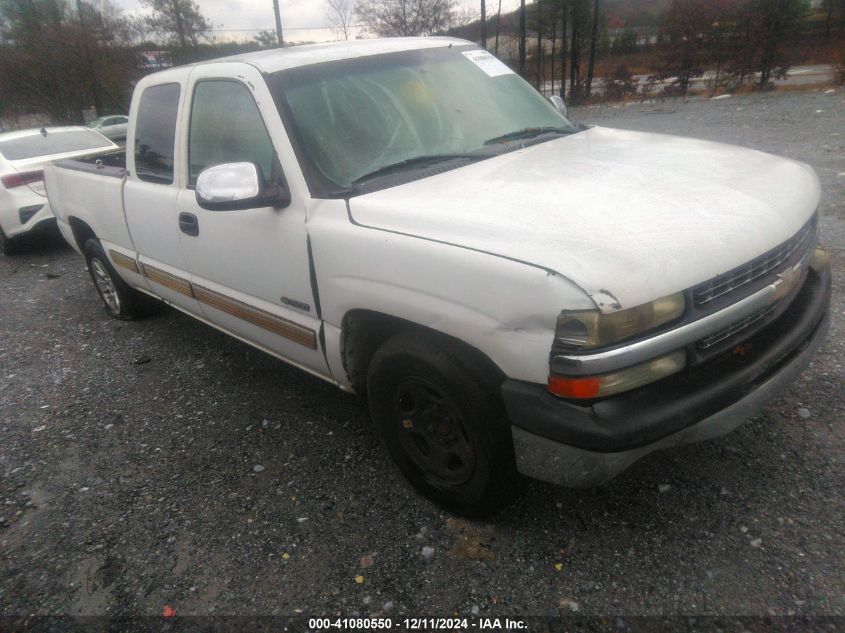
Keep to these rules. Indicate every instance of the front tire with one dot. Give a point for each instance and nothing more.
(441, 417)
(120, 301)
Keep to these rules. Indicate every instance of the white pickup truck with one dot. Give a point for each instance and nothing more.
(409, 220)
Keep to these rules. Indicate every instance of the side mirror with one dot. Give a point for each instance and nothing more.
(236, 186)
(560, 105)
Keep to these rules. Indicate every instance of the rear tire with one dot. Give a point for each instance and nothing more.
(8, 245)
(441, 417)
(120, 301)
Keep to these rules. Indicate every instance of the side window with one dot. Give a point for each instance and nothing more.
(155, 133)
(226, 127)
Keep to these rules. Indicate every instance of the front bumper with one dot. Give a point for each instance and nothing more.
(585, 445)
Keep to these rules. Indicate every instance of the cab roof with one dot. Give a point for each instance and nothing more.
(277, 59)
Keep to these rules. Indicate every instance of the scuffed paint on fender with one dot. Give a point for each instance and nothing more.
(504, 308)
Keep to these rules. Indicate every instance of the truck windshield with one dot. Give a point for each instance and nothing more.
(51, 143)
(370, 116)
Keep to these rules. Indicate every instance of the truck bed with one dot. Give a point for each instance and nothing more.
(112, 164)
(90, 190)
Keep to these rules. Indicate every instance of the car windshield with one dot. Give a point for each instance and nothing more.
(36, 145)
(354, 118)
(97, 122)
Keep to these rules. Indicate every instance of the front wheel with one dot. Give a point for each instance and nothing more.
(121, 301)
(441, 417)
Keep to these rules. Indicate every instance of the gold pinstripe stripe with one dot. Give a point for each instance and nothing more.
(276, 324)
(164, 278)
(263, 319)
(124, 262)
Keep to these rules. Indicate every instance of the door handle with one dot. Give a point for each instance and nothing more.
(188, 224)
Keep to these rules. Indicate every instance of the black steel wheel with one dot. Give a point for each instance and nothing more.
(442, 420)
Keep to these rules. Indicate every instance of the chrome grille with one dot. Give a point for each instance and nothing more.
(736, 328)
(756, 268)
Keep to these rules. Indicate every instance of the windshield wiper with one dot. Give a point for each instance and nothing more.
(529, 132)
(416, 161)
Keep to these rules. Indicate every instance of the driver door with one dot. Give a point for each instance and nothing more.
(250, 268)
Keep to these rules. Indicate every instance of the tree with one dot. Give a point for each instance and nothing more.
(402, 18)
(340, 14)
(594, 36)
(522, 36)
(684, 30)
(483, 24)
(35, 79)
(775, 18)
(579, 19)
(564, 6)
(266, 39)
(180, 18)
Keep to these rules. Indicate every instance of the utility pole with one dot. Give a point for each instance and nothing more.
(483, 25)
(279, 35)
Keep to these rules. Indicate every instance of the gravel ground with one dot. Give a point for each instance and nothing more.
(162, 463)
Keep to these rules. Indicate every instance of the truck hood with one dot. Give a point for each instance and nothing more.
(627, 216)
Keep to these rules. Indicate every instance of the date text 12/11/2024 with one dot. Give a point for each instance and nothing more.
(416, 624)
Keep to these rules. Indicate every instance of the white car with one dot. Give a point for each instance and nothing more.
(113, 126)
(23, 200)
(410, 220)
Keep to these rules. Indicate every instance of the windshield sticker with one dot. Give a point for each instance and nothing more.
(488, 63)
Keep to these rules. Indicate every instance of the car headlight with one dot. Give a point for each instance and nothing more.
(590, 328)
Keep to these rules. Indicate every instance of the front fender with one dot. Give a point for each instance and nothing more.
(504, 308)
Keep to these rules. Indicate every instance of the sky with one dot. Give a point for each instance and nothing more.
(301, 19)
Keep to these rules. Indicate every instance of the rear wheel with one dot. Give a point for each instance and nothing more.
(443, 422)
(120, 301)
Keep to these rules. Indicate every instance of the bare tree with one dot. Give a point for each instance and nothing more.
(180, 18)
(483, 24)
(564, 6)
(522, 36)
(340, 14)
(392, 18)
(266, 39)
(498, 27)
(594, 36)
(33, 78)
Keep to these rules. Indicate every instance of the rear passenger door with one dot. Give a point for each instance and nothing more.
(151, 192)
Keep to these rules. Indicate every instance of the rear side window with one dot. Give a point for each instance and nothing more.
(227, 127)
(52, 143)
(155, 133)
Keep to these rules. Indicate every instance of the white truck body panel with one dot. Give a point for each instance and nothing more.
(488, 253)
(626, 216)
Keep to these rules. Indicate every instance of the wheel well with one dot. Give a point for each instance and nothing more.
(81, 232)
(364, 331)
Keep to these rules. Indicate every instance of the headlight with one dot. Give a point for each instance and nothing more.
(590, 328)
